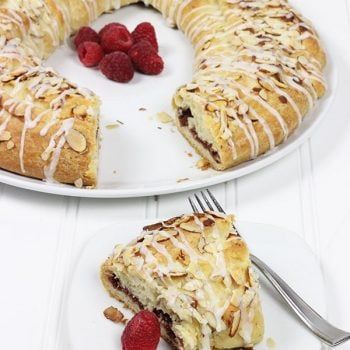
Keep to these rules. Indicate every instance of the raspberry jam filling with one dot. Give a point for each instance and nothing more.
(164, 318)
(117, 285)
(184, 115)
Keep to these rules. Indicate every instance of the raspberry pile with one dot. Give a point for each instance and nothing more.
(119, 53)
(142, 332)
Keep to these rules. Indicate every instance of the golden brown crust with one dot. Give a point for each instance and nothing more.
(194, 271)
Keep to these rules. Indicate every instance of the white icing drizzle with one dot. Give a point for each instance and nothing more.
(27, 125)
(51, 122)
(265, 126)
(56, 149)
(4, 124)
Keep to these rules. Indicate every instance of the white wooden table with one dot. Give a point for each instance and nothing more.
(307, 192)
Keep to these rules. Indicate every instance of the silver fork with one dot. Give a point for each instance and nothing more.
(327, 333)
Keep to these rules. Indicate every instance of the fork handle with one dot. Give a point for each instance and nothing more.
(319, 326)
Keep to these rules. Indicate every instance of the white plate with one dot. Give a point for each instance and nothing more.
(287, 254)
(138, 159)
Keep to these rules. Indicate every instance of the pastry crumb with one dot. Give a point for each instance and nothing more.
(114, 315)
(271, 344)
(112, 126)
(115, 125)
(164, 117)
(203, 164)
(78, 183)
(189, 154)
(182, 180)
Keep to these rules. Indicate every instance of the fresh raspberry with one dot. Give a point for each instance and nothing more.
(140, 51)
(117, 66)
(107, 27)
(90, 53)
(116, 38)
(85, 34)
(145, 31)
(145, 58)
(153, 65)
(142, 332)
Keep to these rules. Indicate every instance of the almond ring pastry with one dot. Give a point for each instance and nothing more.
(195, 274)
(258, 71)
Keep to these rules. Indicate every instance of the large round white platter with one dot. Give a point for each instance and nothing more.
(144, 156)
(288, 255)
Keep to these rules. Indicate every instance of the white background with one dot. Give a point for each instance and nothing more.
(307, 192)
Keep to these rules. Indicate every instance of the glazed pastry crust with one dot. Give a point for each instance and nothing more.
(194, 272)
(258, 71)
(48, 125)
(256, 77)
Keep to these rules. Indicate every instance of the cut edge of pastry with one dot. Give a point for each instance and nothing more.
(189, 115)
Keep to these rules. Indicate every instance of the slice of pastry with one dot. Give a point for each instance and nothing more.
(48, 125)
(195, 274)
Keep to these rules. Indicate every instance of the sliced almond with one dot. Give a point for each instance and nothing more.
(177, 274)
(243, 109)
(235, 323)
(201, 244)
(19, 110)
(211, 107)
(78, 183)
(231, 112)
(191, 87)
(265, 85)
(10, 145)
(76, 140)
(190, 226)
(19, 71)
(280, 84)
(221, 103)
(5, 136)
(228, 314)
(263, 94)
(80, 111)
(303, 60)
(6, 78)
(114, 315)
(164, 117)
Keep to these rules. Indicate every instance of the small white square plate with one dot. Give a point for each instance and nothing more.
(284, 251)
